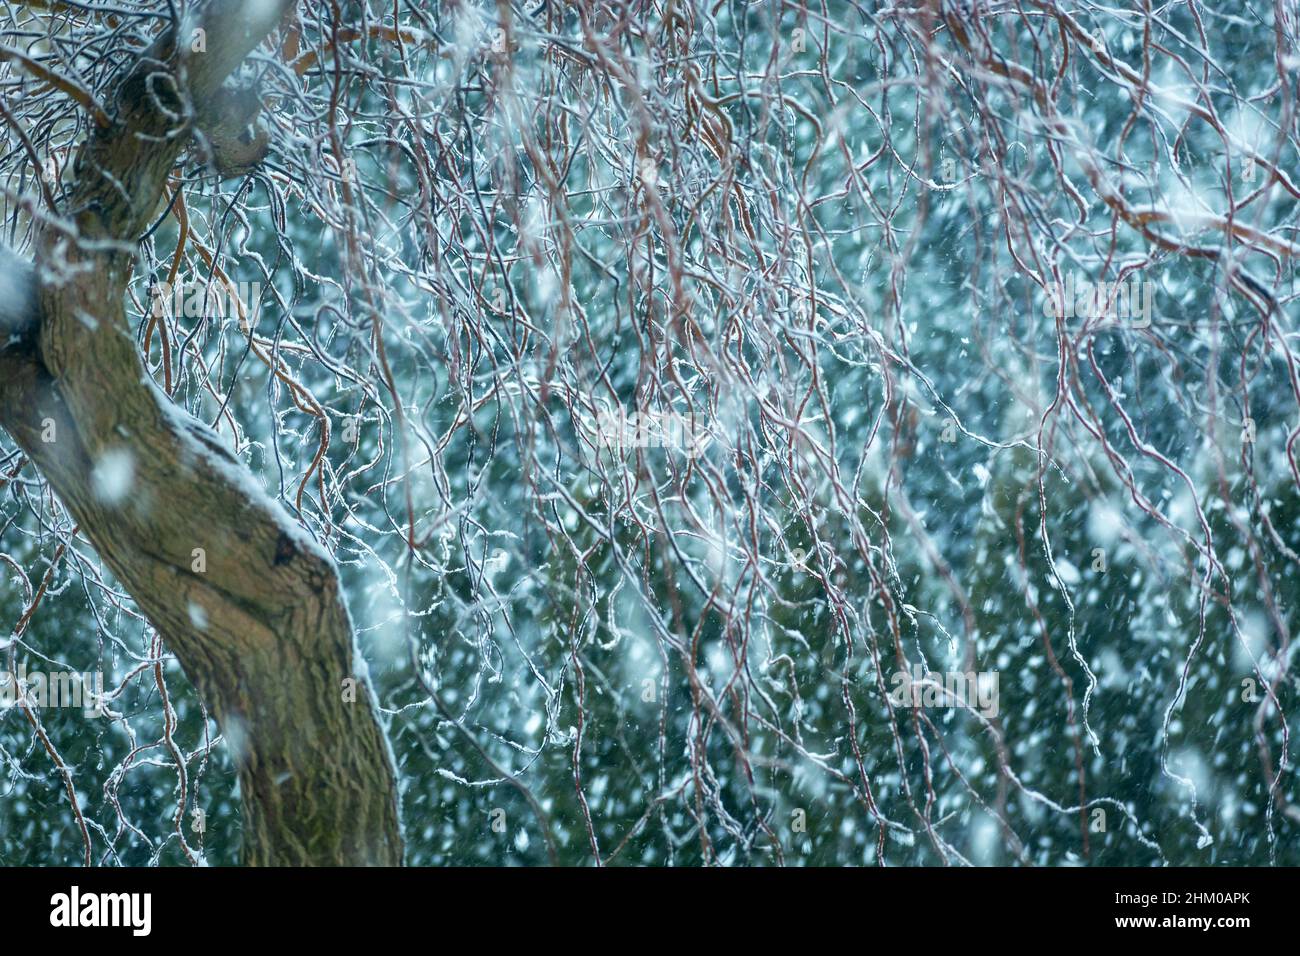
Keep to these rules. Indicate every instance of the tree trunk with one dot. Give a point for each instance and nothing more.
(250, 605)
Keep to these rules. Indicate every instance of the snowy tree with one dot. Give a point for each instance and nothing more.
(658, 432)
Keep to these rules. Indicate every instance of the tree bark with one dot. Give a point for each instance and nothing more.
(249, 604)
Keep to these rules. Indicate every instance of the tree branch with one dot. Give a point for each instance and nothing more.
(250, 605)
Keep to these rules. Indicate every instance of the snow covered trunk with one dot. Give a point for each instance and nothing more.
(250, 605)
